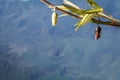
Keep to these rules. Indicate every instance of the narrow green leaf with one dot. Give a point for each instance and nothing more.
(93, 4)
(85, 19)
(73, 9)
(71, 4)
(97, 10)
(109, 17)
(63, 7)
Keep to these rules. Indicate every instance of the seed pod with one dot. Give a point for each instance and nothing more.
(54, 18)
(98, 32)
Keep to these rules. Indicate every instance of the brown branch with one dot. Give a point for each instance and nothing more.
(110, 23)
(53, 6)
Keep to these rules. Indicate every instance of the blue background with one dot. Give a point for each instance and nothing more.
(31, 49)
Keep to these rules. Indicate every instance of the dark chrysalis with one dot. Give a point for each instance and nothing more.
(98, 32)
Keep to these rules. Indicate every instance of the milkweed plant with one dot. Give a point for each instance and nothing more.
(92, 15)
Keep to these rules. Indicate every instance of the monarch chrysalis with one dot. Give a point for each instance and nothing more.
(54, 18)
(98, 32)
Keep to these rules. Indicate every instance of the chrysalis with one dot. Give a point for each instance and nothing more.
(98, 32)
(54, 18)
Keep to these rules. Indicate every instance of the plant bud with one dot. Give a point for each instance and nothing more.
(54, 18)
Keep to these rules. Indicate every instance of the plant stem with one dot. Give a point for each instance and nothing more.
(112, 22)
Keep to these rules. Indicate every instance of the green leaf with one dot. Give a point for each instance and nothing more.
(73, 9)
(85, 19)
(95, 7)
(63, 7)
(97, 10)
(71, 4)
(93, 4)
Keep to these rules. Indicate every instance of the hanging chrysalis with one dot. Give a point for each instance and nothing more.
(98, 32)
(54, 18)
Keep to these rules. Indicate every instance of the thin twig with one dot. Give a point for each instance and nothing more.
(53, 6)
(114, 22)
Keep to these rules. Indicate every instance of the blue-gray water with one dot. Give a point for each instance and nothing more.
(31, 49)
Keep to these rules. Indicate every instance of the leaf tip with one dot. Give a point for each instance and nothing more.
(76, 29)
